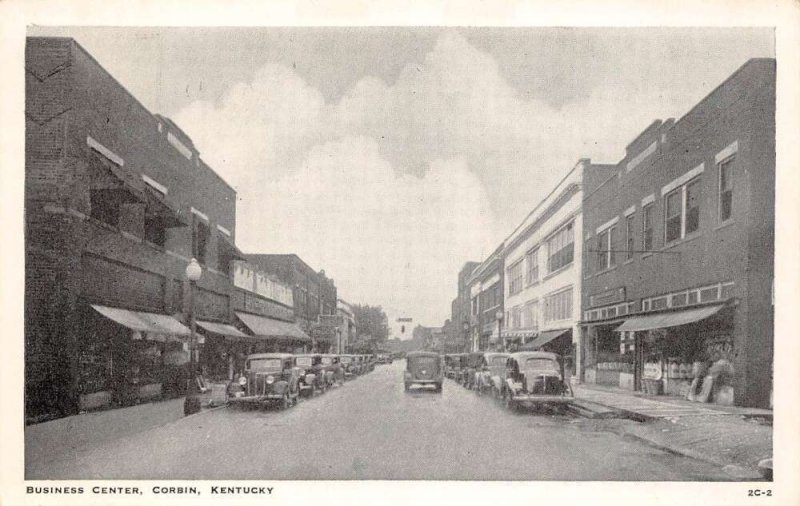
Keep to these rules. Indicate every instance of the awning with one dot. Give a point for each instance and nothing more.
(108, 176)
(222, 329)
(268, 327)
(144, 322)
(544, 338)
(233, 251)
(664, 320)
(159, 208)
(518, 333)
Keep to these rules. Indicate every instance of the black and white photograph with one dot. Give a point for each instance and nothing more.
(420, 252)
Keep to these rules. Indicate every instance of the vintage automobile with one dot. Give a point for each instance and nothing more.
(535, 378)
(424, 368)
(334, 372)
(469, 369)
(312, 374)
(349, 367)
(267, 378)
(491, 373)
(452, 365)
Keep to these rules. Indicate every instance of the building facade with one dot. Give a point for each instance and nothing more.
(461, 309)
(313, 294)
(117, 202)
(543, 273)
(486, 299)
(679, 251)
(347, 330)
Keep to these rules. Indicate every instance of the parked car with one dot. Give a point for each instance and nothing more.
(470, 368)
(312, 374)
(535, 378)
(267, 378)
(491, 373)
(349, 366)
(424, 368)
(334, 372)
(451, 363)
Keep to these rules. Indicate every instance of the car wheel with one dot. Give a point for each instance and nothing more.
(439, 387)
(286, 402)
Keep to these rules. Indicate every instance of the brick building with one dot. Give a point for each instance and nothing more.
(313, 294)
(679, 250)
(117, 202)
(460, 308)
(486, 299)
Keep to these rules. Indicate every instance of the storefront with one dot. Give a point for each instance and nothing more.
(687, 353)
(124, 356)
(223, 344)
(277, 336)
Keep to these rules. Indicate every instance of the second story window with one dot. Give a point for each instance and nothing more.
(532, 262)
(725, 189)
(647, 227)
(560, 248)
(682, 214)
(629, 248)
(605, 249)
(515, 278)
(200, 235)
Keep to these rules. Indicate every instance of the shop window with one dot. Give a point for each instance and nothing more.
(647, 227)
(200, 236)
(532, 262)
(725, 189)
(105, 207)
(659, 303)
(560, 248)
(629, 248)
(679, 299)
(558, 306)
(709, 294)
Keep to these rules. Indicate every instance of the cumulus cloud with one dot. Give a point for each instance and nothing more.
(395, 185)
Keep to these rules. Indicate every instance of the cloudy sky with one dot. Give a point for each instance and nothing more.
(390, 156)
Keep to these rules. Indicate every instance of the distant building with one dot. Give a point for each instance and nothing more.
(313, 294)
(460, 308)
(347, 325)
(486, 299)
(679, 249)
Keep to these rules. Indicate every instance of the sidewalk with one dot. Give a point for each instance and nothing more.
(63, 435)
(732, 437)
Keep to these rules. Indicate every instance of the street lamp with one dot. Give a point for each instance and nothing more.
(499, 317)
(191, 404)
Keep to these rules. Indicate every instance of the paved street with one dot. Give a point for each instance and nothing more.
(371, 429)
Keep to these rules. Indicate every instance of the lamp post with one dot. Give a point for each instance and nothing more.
(499, 317)
(191, 404)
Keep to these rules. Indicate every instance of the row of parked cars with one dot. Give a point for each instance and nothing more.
(530, 378)
(281, 378)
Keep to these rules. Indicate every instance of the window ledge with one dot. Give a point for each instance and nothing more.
(725, 224)
(557, 271)
(684, 240)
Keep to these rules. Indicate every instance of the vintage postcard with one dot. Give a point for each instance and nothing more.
(426, 259)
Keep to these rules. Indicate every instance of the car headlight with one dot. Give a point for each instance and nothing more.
(270, 380)
(242, 381)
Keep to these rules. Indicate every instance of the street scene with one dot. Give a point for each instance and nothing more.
(399, 253)
(371, 429)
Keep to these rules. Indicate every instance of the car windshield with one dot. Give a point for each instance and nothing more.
(303, 361)
(260, 364)
(346, 360)
(327, 360)
(540, 364)
(497, 361)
